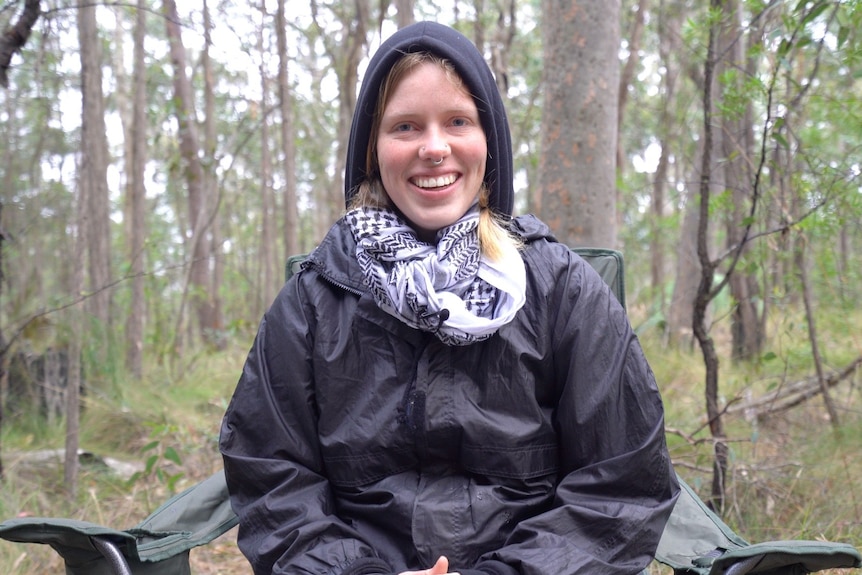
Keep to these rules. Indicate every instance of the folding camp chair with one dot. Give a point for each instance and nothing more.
(695, 541)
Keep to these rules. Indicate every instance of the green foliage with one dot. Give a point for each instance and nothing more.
(162, 459)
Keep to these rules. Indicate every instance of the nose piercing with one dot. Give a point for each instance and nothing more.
(435, 162)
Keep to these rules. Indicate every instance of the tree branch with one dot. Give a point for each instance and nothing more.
(14, 37)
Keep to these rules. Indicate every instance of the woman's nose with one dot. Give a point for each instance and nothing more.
(434, 146)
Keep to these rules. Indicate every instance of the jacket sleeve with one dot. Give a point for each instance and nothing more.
(617, 487)
(275, 475)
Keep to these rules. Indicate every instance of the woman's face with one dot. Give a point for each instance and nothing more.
(429, 118)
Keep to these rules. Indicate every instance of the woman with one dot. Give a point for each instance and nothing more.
(444, 386)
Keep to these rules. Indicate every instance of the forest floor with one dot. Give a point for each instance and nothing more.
(792, 475)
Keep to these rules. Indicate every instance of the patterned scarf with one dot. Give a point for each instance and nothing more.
(449, 288)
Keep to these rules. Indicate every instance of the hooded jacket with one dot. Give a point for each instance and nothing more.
(357, 445)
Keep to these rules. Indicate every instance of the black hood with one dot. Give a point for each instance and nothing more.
(471, 66)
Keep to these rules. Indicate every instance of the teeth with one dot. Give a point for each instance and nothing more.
(435, 182)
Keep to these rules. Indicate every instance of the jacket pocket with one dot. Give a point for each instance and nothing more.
(519, 462)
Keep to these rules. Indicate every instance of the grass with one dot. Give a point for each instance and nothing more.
(792, 476)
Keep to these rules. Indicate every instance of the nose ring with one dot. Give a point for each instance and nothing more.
(437, 162)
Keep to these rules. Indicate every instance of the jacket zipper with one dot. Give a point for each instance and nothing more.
(321, 272)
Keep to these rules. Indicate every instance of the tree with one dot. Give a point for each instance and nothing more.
(15, 36)
(736, 150)
(94, 174)
(212, 190)
(3, 345)
(193, 174)
(135, 200)
(288, 148)
(268, 250)
(579, 119)
(354, 21)
(404, 12)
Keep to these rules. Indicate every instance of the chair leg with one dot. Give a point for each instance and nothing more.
(112, 553)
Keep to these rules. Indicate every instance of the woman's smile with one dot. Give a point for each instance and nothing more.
(434, 181)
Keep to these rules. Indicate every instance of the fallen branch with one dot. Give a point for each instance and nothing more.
(793, 394)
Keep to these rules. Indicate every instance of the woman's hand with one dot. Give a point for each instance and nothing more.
(440, 568)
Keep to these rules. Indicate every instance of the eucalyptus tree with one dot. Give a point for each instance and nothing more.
(577, 174)
(288, 134)
(199, 204)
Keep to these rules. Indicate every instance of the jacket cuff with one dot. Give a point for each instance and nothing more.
(367, 566)
(490, 568)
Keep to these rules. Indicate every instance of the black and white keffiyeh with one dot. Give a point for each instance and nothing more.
(448, 288)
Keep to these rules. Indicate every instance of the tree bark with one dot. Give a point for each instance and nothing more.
(577, 175)
(802, 272)
(135, 200)
(634, 42)
(705, 292)
(680, 314)
(267, 250)
(288, 147)
(404, 13)
(669, 34)
(14, 37)
(737, 146)
(94, 176)
(3, 345)
(504, 36)
(198, 290)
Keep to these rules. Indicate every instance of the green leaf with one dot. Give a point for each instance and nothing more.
(815, 12)
(172, 455)
(151, 445)
(151, 462)
(843, 34)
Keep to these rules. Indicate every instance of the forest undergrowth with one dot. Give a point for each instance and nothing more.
(793, 475)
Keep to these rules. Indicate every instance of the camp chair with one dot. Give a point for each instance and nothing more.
(695, 541)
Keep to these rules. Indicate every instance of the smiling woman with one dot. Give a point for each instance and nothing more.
(443, 384)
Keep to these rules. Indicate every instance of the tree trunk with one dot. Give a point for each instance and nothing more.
(267, 240)
(577, 187)
(705, 292)
(211, 190)
(404, 12)
(737, 144)
(135, 200)
(680, 313)
(3, 345)
(94, 178)
(288, 148)
(802, 272)
(668, 50)
(198, 289)
(634, 42)
(501, 48)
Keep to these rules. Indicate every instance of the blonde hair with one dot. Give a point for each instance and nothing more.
(493, 236)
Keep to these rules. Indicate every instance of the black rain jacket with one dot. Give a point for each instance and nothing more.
(355, 444)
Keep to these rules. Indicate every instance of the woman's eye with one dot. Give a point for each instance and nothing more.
(403, 127)
(460, 122)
